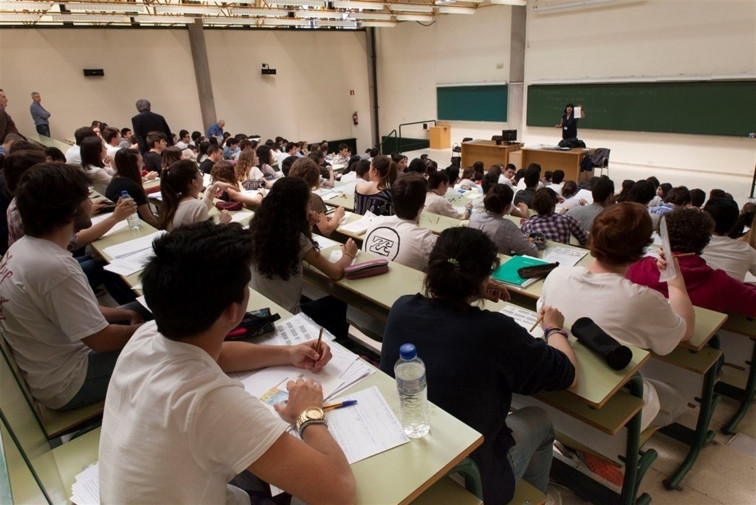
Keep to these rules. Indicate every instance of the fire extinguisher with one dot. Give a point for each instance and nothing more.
(355, 118)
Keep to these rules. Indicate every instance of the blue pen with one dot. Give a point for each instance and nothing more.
(340, 405)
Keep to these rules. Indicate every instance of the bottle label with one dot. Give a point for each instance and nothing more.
(412, 386)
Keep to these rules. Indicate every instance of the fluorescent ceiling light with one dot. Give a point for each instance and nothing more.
(376, 16)
(413, 17)
(88, 18)
(229, 21)
(25, 6)
(274, 13)
(379, 24)
(19, 18)
(411, 8)
(448, 9)
(301, 3)
(285, 22)
(163, 20)
(104, 7)
(345, 4)
(319, 14)
(339, 24)
(187, 9)
(518, 3)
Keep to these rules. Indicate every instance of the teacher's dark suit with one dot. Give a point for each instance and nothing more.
(148, 121)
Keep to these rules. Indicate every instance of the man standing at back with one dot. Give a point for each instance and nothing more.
(39, 115)
(216, 130)
(6, 123)
(147, 121)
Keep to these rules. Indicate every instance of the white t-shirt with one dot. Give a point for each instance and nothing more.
(631, 313)
(46, 308)
(176, 429)
(112, 150)
(437, 204)
(73, 155)
(400, 240)
(190, 212)
(733, 256)
(100, 177)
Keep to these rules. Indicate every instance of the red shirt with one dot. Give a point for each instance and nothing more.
(708, 288)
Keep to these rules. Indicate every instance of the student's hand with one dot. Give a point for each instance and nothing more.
(96, 207)
(350, 249)
(338, 214)
(551, 317)
(135, 317)
(225, 217)
(496, 291)
(305, 356)
(583, 202)
(303, 394)
(107, 161)
(124, 208)
(151, 176)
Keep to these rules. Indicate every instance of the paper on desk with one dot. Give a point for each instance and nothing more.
(241, 216)
(157, 195)
(132, 246)
(525, 318)
(324, 242)
(116, 227)
(143, 301)
(670, 272)
(86, 489)
(360, 226)
(366, 428)
(336, 255)
(566, 256)
(130, 264)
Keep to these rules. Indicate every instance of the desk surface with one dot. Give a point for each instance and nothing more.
(434, 222)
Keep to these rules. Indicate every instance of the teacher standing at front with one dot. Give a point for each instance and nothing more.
(568, 124)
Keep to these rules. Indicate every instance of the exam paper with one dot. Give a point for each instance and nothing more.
(566, 256)
(360, 226)
(86, 489)
(525, 318)
(241, 216)
(130, 264)
(578, 112)
(132, 246)
(670, 272)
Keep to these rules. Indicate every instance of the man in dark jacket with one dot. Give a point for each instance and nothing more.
(147, 121)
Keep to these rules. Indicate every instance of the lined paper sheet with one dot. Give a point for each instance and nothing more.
(566, 256)
(525, 318)
(132, 246)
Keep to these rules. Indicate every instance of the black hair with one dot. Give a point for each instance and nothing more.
(287, 163)
(627, 184)
(174, 183)
(602, 189)
(264, 154)
(452, 172)
(459, 263)
(55, 154)
(641, 192)
(436, 179)
(126, 163)
(198, 271)
(408, 195)
(417, 165)
(566, 106)
(498, 198)
(91, 152)
(81, 133)
(665, 187)
(569, 189)
(724, 212)
(361, 168)
(124, 131)
(557, 177)
(678, 196)
(277, 226)
(18, 162)
(532, 174)
(49, 195)
(154, 136)
(544, 201)
(697, 197)
(489, 180)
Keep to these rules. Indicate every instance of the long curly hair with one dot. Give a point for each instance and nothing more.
(277, 226)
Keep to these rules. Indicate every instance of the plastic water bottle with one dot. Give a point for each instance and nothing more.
(133, 219)
(413, 392)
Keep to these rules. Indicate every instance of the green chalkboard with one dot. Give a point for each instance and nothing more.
(707, 108)
(472, 103)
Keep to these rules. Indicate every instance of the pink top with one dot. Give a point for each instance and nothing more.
(707, 288)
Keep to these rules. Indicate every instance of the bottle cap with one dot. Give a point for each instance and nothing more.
(408, 351)
(124, 193)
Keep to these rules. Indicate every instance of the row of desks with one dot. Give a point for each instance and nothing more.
(396, 476)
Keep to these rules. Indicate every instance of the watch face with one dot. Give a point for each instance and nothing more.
(314, 413)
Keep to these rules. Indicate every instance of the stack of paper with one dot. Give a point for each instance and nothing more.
(118, 226)
(524, 317)
(360, 226)
(86, 489)
(241, 215)
(131, 257)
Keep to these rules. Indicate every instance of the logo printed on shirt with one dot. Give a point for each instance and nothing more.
(383, 241)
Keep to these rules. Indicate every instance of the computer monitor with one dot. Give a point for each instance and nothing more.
(509, 135)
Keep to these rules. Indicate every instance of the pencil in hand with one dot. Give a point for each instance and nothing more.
(539, 321)
(320, 339)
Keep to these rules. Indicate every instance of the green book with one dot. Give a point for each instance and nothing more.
(507, 271)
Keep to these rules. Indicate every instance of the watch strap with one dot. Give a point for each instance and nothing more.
(310, 422)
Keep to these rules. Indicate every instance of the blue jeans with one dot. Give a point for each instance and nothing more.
(531, 455)
(43, 129)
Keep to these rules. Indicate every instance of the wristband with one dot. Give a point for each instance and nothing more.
(553, 329)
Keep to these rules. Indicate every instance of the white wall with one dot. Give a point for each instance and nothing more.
(309, 98)
(152, 64)
(645, 39)
(456, 49)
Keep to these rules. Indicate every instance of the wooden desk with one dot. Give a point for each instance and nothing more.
(569, 161)
(486, 151)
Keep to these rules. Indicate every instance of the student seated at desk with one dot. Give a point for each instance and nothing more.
(476, 359)
(531, 180)
(399, 237)
(466, 180)
(630, 313)
(93, 153)
(176, 428)
(507, 236)
(375, 196)
(282, 242)
(128, 177)
(552, 225)
(436, 203)
(181, 184)
(308, 170)
(603, 196)
(689, 231)
(64, 343)
(733, 256)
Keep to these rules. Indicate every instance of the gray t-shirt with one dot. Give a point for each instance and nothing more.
(285, 293)
(507, 236)
(585, 214)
